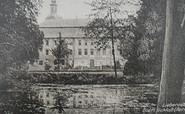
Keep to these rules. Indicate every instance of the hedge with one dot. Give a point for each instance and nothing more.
(86, 78)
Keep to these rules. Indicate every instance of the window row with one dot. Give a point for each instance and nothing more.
(86, 52)
(47, 52)
(79, 42)
(98, 52)
(85, 43)
(41, 62)
(56, 42)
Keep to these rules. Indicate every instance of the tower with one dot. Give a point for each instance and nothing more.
(53, 10)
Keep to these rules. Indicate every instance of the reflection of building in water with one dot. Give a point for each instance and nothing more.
(96, 98)
(46, 97)
(87, 100)
(93, 98)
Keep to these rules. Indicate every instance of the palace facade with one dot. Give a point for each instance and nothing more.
(83, 55)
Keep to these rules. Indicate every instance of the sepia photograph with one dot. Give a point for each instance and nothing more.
(92, 56)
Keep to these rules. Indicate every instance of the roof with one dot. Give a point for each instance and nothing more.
(68, 28)
(60, 22)
(65, 32)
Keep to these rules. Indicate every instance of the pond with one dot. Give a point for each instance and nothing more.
(97, 99)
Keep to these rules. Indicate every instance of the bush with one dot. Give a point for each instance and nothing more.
(86, 78)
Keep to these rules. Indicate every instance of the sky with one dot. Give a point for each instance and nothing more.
(68, 9)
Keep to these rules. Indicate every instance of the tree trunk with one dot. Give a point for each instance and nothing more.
(113, 50)
(173, 59)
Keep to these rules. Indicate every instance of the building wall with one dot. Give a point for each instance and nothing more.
(90, 56)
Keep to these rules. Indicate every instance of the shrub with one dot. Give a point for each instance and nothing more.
(86, 78)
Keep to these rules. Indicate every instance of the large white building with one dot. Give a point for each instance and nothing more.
(84, 54)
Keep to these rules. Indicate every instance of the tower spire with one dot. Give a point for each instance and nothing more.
(53, 10)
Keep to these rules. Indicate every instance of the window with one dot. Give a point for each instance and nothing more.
(71, 51)
(48, 102)
(79, 52)
(47, 42)
(85, 52)
(47, 94)
(92, 51)
(98, 52)
(52, 9)
(55, 42)
(47, 52)
(92, 43)
(104, 51)
(91, 62)
(121, 52)
(40, 62)
(79, 42)
(63, 62)
(86, 43)
(41, 96)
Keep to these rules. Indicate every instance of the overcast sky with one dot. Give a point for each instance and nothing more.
(67, 9)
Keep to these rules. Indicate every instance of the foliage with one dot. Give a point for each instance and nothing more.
(20, 42)
(17, 96)
(20, 102)
(152, 15)
(20, 35)
(87, 78)
(60, 102)
(128, 33)
(101, 26)
(61, 52)
(131, 46)
(144, 50)
(141, 37)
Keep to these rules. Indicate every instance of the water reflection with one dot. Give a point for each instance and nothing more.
(89, 99)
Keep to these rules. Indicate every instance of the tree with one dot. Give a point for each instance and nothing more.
(130, 45)
(106, 26)
(21, 101)
(20, 41)
(142, 44)
(20, 35)
(173, 56)
(61, 52)
(152, 16)
(60, 102)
